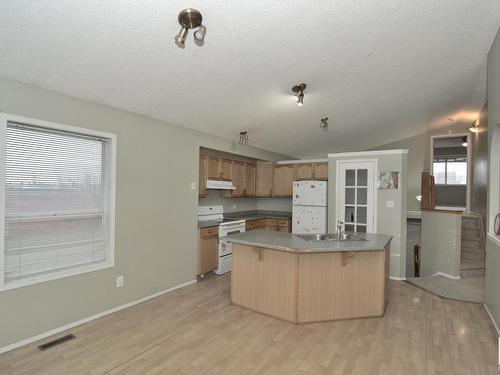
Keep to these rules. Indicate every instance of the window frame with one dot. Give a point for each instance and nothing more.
(430, 163)
(109, 209)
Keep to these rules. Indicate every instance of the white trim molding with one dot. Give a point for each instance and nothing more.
(446, 275)
(395, 278)
(90, 318)
(367, 153)
(490, 315)
(308, 161)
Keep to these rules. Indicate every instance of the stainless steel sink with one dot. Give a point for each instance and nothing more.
(344, 236)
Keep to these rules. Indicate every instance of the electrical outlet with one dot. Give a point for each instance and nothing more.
(389, 204)
(119, 281)
(193, 186)
(234, 206)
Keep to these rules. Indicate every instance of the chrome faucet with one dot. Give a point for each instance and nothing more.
(340, 224)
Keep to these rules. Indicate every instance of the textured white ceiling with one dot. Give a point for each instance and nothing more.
(380, 70)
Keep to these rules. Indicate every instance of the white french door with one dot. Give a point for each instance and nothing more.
(356, 195)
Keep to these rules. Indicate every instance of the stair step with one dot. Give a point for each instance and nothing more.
(470, 234)
(472, 256)
(471, 244)
(473, 272)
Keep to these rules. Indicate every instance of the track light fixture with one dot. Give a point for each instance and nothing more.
(298, 90)
(243, 137)
(474, 127)
(324, 124)
(189, 19)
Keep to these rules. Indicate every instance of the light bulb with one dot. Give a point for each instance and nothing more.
(199, 35)
(300, 99)
(181, 37)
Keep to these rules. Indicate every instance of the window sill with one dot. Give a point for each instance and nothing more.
(56, 276)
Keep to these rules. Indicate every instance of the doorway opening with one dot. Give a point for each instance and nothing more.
(450, 166)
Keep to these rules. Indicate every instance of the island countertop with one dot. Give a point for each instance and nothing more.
(293, 243)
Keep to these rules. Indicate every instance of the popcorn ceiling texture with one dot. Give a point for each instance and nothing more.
(380, 70)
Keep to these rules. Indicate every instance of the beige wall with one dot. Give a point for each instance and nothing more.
(419, 155)
(155, 212)
(390, 221)
(440, 243)
(492, 278)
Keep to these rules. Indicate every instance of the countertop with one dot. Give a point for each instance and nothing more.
(256, 215)
(292, 243)
(208, 224)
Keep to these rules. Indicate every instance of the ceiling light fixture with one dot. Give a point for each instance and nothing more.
(189, 19)
(464, 141)
(243, 137)
(474, 127)
(298, 90)
(324, 124)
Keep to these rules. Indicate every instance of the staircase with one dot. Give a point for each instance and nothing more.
(472, 247)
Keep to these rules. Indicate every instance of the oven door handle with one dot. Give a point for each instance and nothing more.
(234, 232)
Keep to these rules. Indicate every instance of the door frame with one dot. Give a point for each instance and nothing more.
(469, 154)
(374, 165)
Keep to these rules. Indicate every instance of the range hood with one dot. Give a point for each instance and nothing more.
(220, 185)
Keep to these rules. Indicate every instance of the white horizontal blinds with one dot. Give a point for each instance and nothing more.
(54, 201)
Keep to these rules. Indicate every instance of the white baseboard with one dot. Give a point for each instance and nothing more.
(492, 319)
(446, 275)
(90, 318)
(395, 278)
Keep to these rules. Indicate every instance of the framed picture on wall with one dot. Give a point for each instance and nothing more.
(388, 180)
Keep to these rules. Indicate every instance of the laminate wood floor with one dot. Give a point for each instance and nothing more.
(195, 330)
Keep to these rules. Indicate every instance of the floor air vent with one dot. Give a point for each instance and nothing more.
(55, 342)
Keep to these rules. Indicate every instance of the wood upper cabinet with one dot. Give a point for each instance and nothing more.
(202, 182)
(238, 178)
(212, 168)
(264, 180)
(226, 169)
(303, 172)
(320, 171)
(283, 180)
(208, 250)
(249, 190)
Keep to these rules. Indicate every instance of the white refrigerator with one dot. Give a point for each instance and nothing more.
(309, 214)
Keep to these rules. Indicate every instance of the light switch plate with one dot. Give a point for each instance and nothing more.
(193, 186)
(389, 204)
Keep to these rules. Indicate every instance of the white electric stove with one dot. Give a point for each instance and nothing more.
(216, 214)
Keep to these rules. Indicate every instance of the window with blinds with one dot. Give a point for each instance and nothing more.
(56, 190)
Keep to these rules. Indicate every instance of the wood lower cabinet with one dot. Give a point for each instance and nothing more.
(277, 225)
(264, 180)
(208, 249)
(283, 180)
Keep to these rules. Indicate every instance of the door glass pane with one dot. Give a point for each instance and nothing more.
(349, 196)
(349, 228)
(361, 195)
(361, 228)
(349, 214)
(362, 177)
(361, 217)
(350, 177)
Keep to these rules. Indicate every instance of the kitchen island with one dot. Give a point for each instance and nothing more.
(282, 275)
